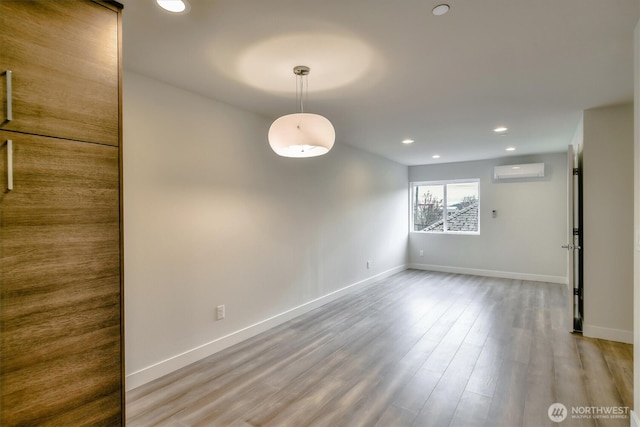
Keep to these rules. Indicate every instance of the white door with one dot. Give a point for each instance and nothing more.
(573, 242)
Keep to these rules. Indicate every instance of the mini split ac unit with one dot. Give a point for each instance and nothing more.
(531, 170)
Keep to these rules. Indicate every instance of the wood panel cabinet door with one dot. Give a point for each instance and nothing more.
(60, 288)
(63, 63)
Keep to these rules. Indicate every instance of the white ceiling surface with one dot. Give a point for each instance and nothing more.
(386, 70)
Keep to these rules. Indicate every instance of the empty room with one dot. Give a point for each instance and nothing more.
(277, 213)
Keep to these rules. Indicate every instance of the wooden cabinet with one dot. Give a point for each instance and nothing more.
(61, 351)
(60, 294)
(63, 56)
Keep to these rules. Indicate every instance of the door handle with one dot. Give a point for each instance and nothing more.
(8, 87)
(570, 247)
(9, 165)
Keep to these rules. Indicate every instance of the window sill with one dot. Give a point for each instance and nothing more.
(454, 233)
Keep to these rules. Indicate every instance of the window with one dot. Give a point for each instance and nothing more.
(461, 199)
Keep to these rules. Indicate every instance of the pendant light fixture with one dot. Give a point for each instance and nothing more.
(301, 134)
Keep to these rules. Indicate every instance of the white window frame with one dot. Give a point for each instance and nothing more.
(444, 183)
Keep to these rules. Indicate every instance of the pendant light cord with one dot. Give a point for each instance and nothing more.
(301, 73)
(301, 93)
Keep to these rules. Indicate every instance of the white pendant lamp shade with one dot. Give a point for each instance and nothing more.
(301, 135)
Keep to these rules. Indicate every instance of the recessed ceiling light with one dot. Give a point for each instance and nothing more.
(408, 141)
(174, 6)
(511, 148)
(515, 168)
(440, 9)
(435, 156)
(500, 129)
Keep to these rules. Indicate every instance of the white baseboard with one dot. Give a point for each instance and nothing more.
(635, 420)
(619, 335)
(160, 369)
(491, 273)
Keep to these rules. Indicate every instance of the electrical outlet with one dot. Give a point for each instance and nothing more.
(369, 264)
(220, 312)
(421, 252)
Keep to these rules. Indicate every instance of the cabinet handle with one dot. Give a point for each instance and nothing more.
(8, 73)
(9, 165)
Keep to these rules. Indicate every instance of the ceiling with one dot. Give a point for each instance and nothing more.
(386, 70)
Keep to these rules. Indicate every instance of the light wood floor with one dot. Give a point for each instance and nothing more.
(417, 349)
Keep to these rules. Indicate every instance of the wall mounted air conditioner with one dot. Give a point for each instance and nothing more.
(531, 170)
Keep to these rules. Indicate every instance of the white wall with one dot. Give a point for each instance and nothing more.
(523, 241)
(636, 254)
(212, 216)
(578, 136)
(607, 162)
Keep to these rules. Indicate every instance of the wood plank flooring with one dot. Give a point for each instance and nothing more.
(417, 349)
